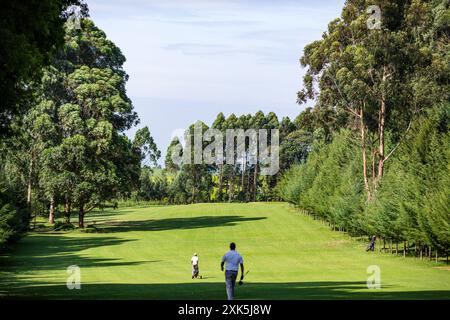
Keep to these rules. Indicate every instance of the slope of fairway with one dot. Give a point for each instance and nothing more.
(144, 253)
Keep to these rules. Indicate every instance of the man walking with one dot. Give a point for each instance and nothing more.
(232, 259)
(194, 262)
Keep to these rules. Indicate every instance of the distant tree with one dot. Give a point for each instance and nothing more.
(286, 127)
(88, 159)
(144, 142)
(258, 121)
(219, 124)
(230, 171)
(169, 164)
(295, 148)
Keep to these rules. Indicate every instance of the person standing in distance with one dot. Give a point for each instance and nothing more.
(232, 259)
(194, 262)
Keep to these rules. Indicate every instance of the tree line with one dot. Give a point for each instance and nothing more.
(67, 151)
(182, 183)
(386, 171)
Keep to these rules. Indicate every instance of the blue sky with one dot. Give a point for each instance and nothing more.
(190, 60)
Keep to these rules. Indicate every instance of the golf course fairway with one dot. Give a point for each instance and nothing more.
(144, 253)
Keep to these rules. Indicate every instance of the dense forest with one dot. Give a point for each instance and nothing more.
(242, 181)
(371, 157)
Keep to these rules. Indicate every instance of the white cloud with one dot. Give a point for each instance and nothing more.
(207, 56)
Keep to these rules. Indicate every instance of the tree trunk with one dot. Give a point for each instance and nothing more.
(381, 128)
(67, 211)
(255, 182)
(421, 253)
(231, 191)
(51, 217)
(381, 147)
(247, 193)
(81, 218)
(29, 189)
(396, 248)
(429, 253)
(219, 195)
(242, 177)
(436, 256)
(227, 188)
(390, 246)
(404, 249)
(374, 154)
(364, 157)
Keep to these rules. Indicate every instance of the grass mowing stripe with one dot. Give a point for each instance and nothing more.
(144, 253)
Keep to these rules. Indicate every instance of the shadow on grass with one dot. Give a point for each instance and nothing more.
(44, 252)
(173, 223)
(93, 214)
(216, 291)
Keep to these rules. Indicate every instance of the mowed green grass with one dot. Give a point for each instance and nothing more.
(144, 253)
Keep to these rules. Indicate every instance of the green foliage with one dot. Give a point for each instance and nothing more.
(295, 148)
(154, 185)
(13, 217)
(171, 149)
(10, 223)
(381, 78)
(412, 202)
(241, 181)
(70, 147)
(144, 142)
(327, 184)
(30, 33)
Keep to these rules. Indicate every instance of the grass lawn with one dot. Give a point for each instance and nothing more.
(144, 253)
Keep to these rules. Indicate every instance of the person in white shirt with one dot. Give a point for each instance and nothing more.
(194, 262)
(232, 259)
